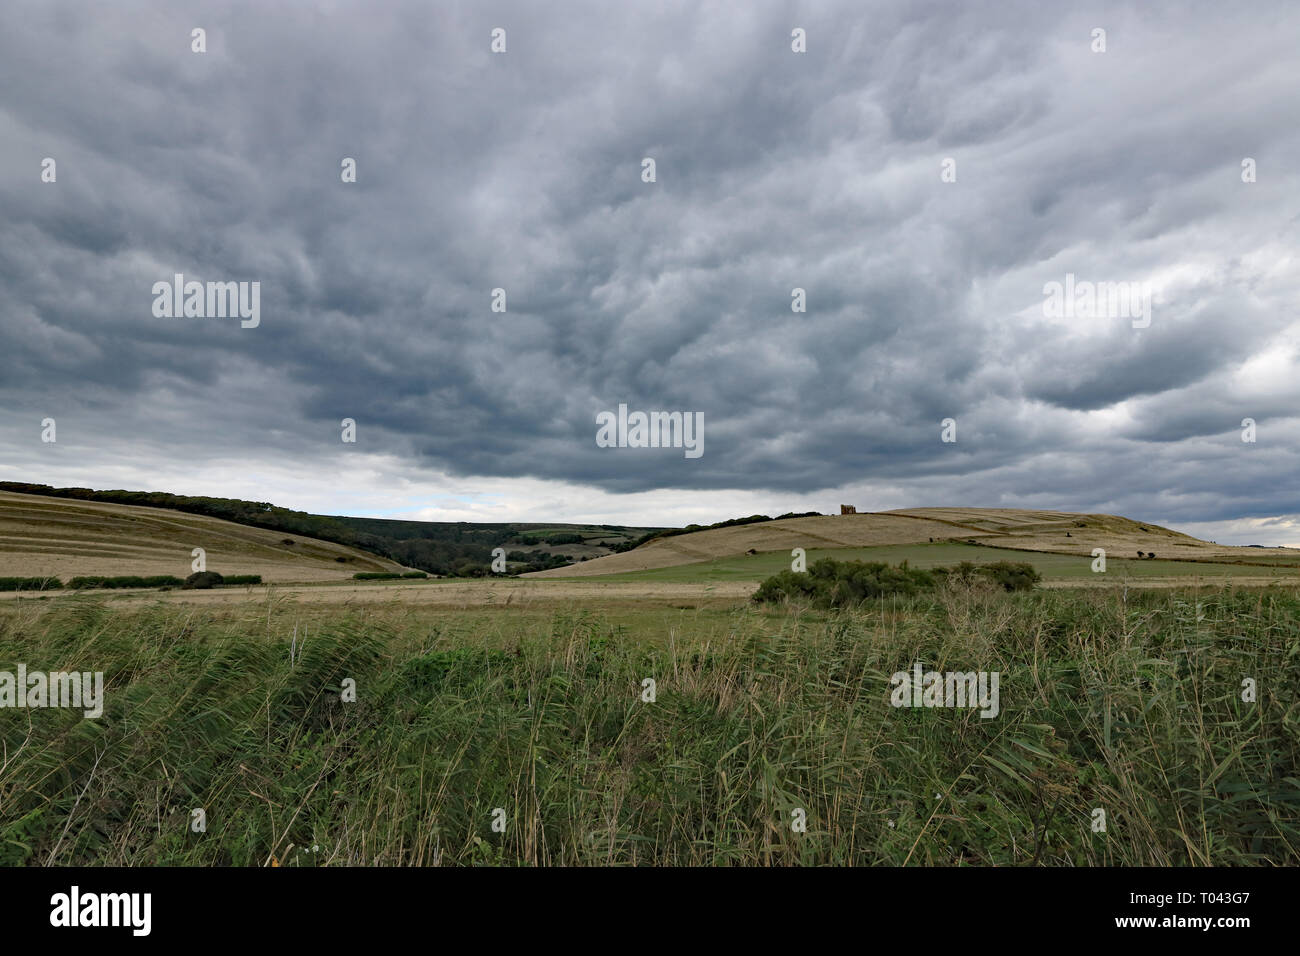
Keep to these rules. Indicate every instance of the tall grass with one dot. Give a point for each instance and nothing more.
(1132, 706)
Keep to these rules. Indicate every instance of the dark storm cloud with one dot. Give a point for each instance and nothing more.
(775, 171)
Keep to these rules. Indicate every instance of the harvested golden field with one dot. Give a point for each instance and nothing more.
(66, 538)
(507, 594)
(1058, 532)
(450, 593)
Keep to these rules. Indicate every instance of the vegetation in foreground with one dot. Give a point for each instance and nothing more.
(1130, 706)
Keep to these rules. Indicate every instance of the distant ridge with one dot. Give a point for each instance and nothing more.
(438, 547)
(1059, 532)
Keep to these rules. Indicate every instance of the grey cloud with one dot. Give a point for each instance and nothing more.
(775, 171)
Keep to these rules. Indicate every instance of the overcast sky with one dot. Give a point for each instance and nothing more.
(774, 170)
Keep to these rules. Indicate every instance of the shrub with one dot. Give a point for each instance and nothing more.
(30, 584)
(1016, 576)
(566, 537)
(1011, 575)
(555, 538)
(125, 581)
(243, 579)
(156, 581)
(203, 580)
(832, 584)
(375, 576)
(415, 574)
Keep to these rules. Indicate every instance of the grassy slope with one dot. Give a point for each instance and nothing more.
(1039, 531)
(64, 538)
(1130, 706)
(1053, 567)
(819, 532)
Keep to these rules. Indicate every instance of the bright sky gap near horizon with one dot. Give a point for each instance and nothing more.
(775, 170)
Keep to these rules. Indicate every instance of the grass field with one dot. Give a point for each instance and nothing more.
(521, 700)
(1127, 703)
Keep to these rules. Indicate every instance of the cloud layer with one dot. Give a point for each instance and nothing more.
(775, 170)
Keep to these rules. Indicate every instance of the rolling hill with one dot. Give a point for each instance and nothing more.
(65, 538)
(1054, 532)
(438, 547)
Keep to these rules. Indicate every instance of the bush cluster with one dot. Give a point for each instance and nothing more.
(30, 584)
(202, 580)
(243, 579)
(832, 584)
(124, 581)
